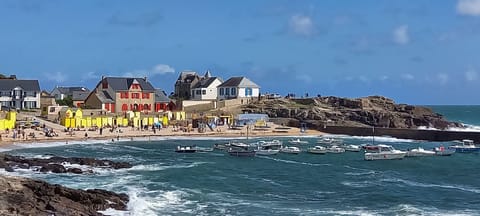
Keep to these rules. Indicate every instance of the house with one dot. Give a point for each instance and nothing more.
(61, 93)
(78, 98)
(162, 102)
(122, 94)
(20, 94)
(184, 84)
(206, 88)
(237, 87)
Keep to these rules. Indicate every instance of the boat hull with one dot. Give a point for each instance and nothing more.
(384, 156)
(315, 151)
(242, 153)
(467, 150)
(267, 152)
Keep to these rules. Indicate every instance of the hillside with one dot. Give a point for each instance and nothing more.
(369, 111)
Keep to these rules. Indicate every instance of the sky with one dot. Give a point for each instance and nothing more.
(415, 52)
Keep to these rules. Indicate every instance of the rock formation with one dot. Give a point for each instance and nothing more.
(370, 111)
(22, 196)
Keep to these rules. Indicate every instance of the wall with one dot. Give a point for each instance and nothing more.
(197, 106)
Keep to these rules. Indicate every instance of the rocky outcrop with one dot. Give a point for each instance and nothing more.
(55, 164)
(370, 111)
(22, 196)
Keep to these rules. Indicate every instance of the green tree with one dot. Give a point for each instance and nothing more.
(67, 101)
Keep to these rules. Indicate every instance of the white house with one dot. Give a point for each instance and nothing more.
(238, 87)
(19, 94)
(206, 89)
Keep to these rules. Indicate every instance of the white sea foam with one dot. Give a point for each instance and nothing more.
(293, 162)
(468, 128)
(427, 128)
(371, 172)
(144, 202)
(158, 167)
(444, 186)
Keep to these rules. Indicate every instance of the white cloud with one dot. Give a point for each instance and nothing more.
(469, 7)
(471, 75)
(304, 77)
(302, 25)
(91, 75)
(400, 35)
(159, 69)
(57, 77)
(408, 76)
(442, 78)
(383, 78)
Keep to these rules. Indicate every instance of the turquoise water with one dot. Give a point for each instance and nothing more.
(166, 183)
(462, 113)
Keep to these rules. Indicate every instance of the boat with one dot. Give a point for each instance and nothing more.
(335, 149)
(467, 146)
(290, 150)
(352, 148)
(328, 140)
(241, 152)
(298, 141)
(268, 147)
(203, 149)
(384, 152)
(268, 143)
(419, 152)
(221, 146)
(317, 150)
(261, 151)
(186, 149)
(442, 151)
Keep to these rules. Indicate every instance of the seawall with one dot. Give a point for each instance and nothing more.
(415, 134)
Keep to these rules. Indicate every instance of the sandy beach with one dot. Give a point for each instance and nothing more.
(38, 135)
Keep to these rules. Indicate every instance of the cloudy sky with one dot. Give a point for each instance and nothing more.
(418, 52)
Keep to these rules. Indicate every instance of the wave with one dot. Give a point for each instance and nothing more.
(468, 128)
(427, 128)
(419, 184)
(368, 138)
(158, 167)
(293, 162)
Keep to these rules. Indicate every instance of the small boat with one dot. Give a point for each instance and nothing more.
(221, 146)
(266, 151)
(240, 152)
(186, 149)
(352, 148)
(442, 151)
(317, 150)
(328, 140)
(297, 141)
(370, 148)
(290, 150)
(384, 152)
(203, 149)
(268, 147)
(419, 152)
(467, 146)
(335, 149)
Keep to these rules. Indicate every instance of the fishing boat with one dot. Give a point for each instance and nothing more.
(384, 152)
(186, 149)
(466, 146)
(352, 148)
(335, 149)
(442, 151)
(290, 150)
(317, 150)
(419, 152)
(298, 141)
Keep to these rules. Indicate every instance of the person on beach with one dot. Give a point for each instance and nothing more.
(101, 130)
(86, 135)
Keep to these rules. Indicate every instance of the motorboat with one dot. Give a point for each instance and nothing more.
(268, 147)
(467, 146)
(290, 150)
(261, 151)
(352, 148)
(370, 148)
(335, 149)
(419, 152)
(186, 149)
(442, 151)
(384, 152)
(221, 146)
(297, 141)
(317, 150)
(329, 140)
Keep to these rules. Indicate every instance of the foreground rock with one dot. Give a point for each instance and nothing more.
(22, 196)
(56, 164)
(370, 111)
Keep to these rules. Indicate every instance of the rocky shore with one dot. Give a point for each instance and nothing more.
(369, 111)
(22, 196)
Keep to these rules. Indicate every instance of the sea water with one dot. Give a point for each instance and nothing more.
(163, 182)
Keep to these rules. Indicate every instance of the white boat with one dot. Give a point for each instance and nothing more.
(384, 152)
(317, 150)
(297, 141)
(268, 147)
(328, 140)
(335, 149)
(269, 143)
(290, 150)
(267, 151)
(467, 146)
(442, 151)
(352, 148)
(418, 152)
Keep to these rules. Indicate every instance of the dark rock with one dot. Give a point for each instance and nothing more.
(22, 196)
(55, 168)
(75, 170)
(9, 169)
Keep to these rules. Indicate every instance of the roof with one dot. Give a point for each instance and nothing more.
(104, 97)
(80, 95)
(70, 90)
(205, 83)
(27, 85)
(239, 82)
(161, 96)
(124, 83)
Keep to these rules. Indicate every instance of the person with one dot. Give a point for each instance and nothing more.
(101, 130)
(86, 135)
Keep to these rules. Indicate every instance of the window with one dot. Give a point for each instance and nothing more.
(198, 92)
(222, 91)
(193, 93)
(204, 92)
(104, 84)
(227, 92)
(135, 95)
(248, 92)
(124, 107)
(146, 107)
(233, 91)
(135, 86)
(145, 95)
(124, 95)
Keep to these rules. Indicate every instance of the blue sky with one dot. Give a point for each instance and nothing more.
(418, 52)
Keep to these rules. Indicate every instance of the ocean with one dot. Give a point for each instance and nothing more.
(163, 182)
